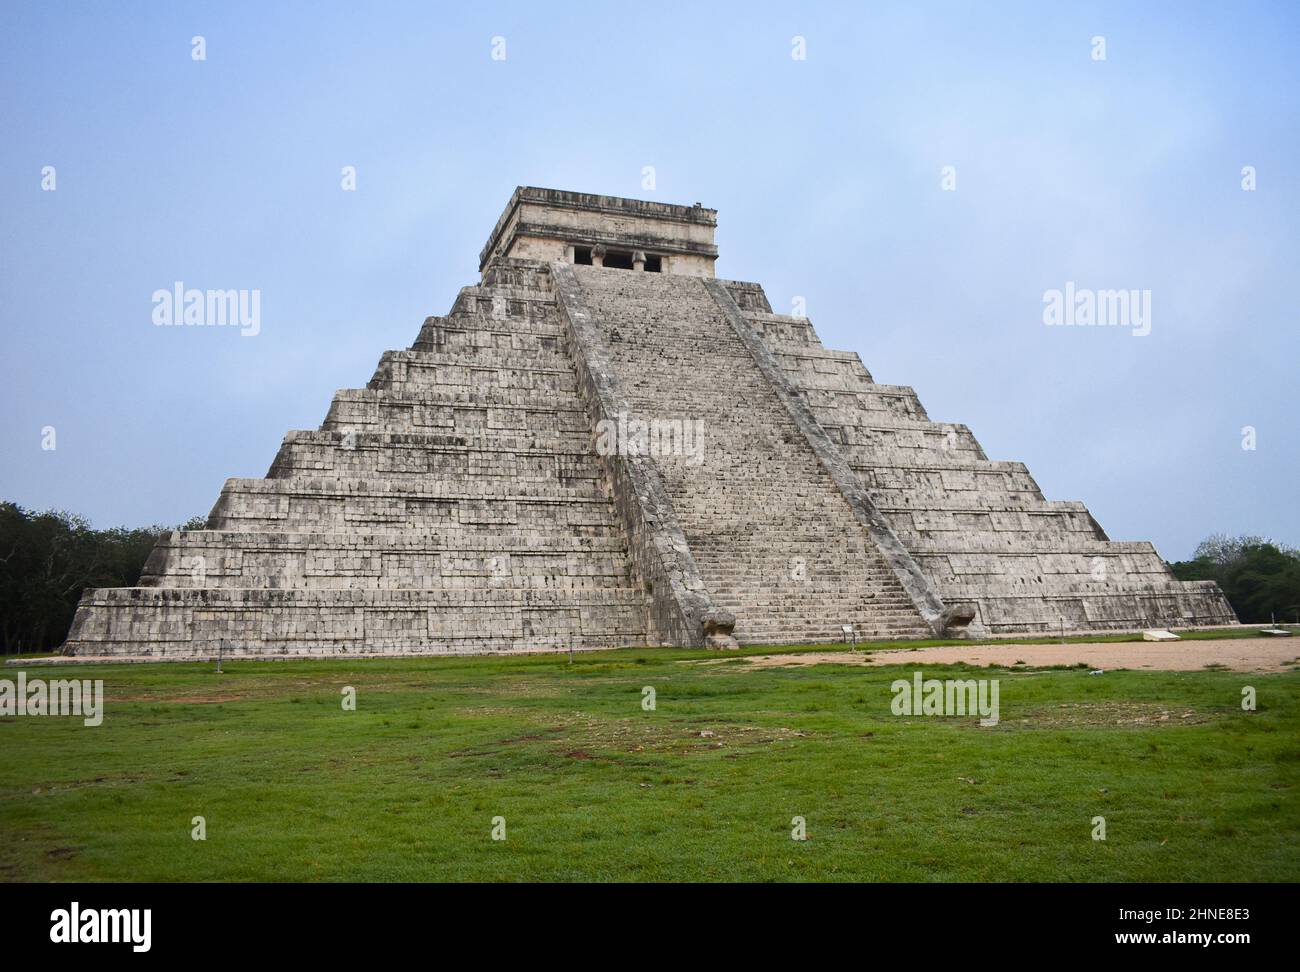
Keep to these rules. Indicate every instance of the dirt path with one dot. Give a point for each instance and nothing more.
(1237, 654)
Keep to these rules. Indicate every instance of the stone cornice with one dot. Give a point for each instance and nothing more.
(610, 205)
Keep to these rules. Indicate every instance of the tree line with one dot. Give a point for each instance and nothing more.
(1261, 579)
(48, 558)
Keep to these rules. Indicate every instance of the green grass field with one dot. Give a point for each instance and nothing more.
(593, 787)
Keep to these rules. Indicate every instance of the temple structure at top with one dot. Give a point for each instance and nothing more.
(604, 231)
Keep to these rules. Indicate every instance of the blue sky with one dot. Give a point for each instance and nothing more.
(225, 173)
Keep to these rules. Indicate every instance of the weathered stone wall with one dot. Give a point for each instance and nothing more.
(453, 505)
(981, 530)
(183, 623)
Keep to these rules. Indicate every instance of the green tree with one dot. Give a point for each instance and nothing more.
(1260, 579)
(48, 558)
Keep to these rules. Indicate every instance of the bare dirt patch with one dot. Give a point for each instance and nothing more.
(1233, 654)
(588, 737)
(182, 699)
(1068, 714)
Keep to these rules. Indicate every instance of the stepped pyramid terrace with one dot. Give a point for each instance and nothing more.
(603, 444)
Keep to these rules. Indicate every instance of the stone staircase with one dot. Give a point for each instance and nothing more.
(774, 540)
(981, 530)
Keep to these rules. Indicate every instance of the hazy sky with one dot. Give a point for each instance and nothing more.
(1123, 173)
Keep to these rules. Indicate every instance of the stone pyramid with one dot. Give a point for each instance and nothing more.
(602, 444)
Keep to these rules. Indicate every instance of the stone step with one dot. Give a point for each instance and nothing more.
(865, 631)
(548, 442)
(451, 410)
(481, 358)
(873, 403)
(395, 574)
(416, 371)
(963, 501)
(843, 413)
(471, 539)
(505, 334)
(480, 455)
(174, 622)
(511, 274)
(916, 468)
(518, 301)
(1014, 507)
(304, 504)
(796, 614)
(415, 491)
(978, 545)
(885, 453)
(309, 561)
(805, 592)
